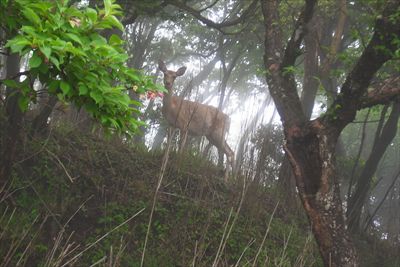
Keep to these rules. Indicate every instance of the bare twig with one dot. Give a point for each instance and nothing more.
(244, 251)
(71, 179)
(46, 206)
(225, 238)
(43, 147)
(30, 242)
(265, 236)
(99, 261)
(15, 245)
(283, 254)
(217, 255)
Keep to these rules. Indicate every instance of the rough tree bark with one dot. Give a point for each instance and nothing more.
(310, 145)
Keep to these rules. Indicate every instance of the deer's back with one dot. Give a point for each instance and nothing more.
(197, 118)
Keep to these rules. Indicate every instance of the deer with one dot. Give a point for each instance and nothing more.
(194, 118)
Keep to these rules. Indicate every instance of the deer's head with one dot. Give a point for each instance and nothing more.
(169, 75)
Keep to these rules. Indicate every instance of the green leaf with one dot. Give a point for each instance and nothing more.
(35, 61)
(83, 90)
(18, 43)
(55, 62)
(107, 7)
(65, 87)
(29, 30)
(44, 68)
(74, 37)
(91, 14)
(53, 86)
(58, 44)
(97, 97)
(23, 103)
(31, 15)
(115, 40)
(46, 51)
(113, 21)
(42, 5)
(10, 83)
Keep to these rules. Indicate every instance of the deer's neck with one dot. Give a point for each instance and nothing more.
(167, 100)
(172, 106)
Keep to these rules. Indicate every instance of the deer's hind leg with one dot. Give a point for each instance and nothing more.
(230, 155)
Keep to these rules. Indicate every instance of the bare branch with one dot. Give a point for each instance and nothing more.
(218, 26)
(300, 30)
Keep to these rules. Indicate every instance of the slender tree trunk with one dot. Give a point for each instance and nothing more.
(382, 141)
(250, 129)
(227, 71)
(13, 124)
(358, 156)
(390, 188)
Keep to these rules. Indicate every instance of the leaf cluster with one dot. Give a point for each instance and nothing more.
(68, 54)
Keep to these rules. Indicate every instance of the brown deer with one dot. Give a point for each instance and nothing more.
(194, 118)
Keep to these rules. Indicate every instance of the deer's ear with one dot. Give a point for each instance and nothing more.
(181, 71)
(161, 66)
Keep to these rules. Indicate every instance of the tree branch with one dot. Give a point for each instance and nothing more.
(336, 40)
(218, 26)
(209, 6)
(379, 50)
(280, 78)
(15, 76)
(388, 91)
(300, 30)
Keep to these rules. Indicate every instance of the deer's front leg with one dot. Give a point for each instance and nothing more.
(183, 138)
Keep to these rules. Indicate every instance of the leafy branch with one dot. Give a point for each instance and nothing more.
(68, 54)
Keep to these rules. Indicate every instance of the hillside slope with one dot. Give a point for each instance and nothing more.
(74, 196)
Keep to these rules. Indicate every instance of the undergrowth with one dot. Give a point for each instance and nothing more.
(80, 200)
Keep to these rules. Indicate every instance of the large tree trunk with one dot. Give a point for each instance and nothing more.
(311, 152)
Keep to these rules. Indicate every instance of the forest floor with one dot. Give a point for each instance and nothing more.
(77, 199)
